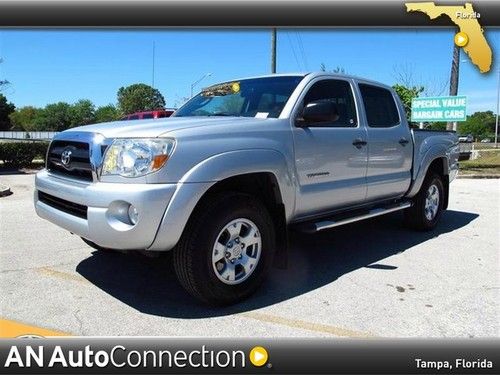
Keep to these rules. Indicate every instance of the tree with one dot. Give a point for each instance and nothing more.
(107, 113)
(6, 109)
(3, 82)
(479, 124)
(82, 113)
(406, 94)
(54, 117)
(404, 75)
(25, 118)
(337, 70)
(139, 97)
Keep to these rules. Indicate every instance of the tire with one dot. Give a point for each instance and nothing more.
(96, 246)
(220, 225)
(425, 214)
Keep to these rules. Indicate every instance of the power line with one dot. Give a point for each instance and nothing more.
(302, 51)
(293, 50)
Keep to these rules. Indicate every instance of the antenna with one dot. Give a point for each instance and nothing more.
(153, 73)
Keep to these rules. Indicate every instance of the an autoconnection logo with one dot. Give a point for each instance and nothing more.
(258, 356)
(119, 356)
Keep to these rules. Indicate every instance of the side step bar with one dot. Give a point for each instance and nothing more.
(327, 224)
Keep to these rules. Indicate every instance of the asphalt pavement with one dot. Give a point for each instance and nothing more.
(368, 279)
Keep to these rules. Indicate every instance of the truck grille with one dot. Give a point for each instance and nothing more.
(77, 165)
(71, 208)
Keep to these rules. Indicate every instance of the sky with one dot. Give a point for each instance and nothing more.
(47, 66)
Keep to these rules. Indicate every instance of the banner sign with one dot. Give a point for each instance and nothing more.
(248, 356)
(437, 109)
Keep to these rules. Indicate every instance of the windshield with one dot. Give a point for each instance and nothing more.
(256, 97)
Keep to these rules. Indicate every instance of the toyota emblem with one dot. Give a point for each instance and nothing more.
(66, 157)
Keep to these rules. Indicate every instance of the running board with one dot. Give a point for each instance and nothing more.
(327, 224)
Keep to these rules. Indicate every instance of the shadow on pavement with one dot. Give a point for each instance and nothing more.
(150, 285)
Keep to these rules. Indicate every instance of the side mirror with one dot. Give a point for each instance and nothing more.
(317, 112)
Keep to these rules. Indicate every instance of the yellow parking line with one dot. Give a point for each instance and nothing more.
(47, 271)
(309, 326)
(11, 328)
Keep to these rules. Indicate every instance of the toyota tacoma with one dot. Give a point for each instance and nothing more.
(222, 181)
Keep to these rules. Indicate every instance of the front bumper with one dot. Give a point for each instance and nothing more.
(106, 209)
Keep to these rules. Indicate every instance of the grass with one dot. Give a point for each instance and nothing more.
(483, 146)
(488, 163)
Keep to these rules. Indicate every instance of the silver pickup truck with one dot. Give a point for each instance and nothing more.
(222, 181)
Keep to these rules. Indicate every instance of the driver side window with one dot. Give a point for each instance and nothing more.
(338, 94)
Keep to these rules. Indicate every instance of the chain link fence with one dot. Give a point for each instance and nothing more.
(19, 135)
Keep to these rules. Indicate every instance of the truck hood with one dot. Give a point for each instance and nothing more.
(160, 127)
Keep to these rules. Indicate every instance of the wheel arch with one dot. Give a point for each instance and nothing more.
(264, 186)
(438, 165)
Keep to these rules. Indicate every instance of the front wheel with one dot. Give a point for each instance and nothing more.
(427, 204)
(226, 249)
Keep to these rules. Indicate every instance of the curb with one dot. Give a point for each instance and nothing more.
(4, 191)
(479, 176)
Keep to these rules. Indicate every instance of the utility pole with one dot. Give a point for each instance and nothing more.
(153, 78)
(498, 104)
(455, 67)
(273, 51)
(198, 81)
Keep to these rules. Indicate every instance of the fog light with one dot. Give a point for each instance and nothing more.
(133, 214)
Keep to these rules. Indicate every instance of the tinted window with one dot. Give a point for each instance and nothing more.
(147, 115)
(133, 117)
(380, 108)
(340, 94)
(262, 97)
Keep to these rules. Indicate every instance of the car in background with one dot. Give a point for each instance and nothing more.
(486, 140)
(160, 113)
(468, 138)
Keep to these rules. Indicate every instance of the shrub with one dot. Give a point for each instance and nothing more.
(21, 154)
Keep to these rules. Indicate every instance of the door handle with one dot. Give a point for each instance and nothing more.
(358, 142)
(403, 141)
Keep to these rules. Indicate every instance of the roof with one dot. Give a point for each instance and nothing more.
(313, 75)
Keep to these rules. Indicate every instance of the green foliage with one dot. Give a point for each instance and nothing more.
(406, 94)
(437, 126)
(479, 124)
(139, 97)
(82, 113)
(21, 154)
(107, 113)
(25, 118)
(6, 109)
(54, 117)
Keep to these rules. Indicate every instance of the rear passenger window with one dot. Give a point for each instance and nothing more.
(380, 107)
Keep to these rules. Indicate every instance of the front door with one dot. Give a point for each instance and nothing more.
(330, 157)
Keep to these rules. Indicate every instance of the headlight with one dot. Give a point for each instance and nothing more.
(136, 157)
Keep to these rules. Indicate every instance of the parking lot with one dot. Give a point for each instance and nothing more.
(368, 279)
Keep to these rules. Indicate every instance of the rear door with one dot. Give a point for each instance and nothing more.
(390, 147)
(331, 170)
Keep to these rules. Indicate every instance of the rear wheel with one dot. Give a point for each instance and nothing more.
(226, 249)
(427, 204)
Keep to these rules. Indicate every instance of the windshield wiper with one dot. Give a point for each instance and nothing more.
(220, 114)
